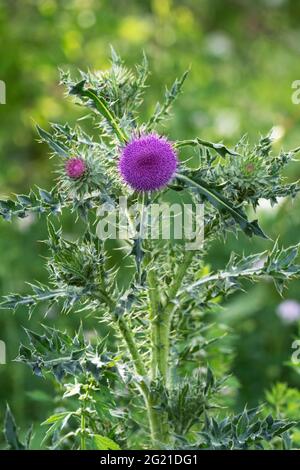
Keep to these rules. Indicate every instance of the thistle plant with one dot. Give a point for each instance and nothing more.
(147, 383)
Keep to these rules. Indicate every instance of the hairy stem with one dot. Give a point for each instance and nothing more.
(154, 308)
(160, 321)
(133, 350)
(149, 399)
(139, 367)
(164, 316)
(82, 430)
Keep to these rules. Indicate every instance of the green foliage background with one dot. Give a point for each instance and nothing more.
(243, 57)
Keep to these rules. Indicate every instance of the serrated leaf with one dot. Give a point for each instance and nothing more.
(223, 205)
(57, 418)
(104, 443)
(46, 196)
(221, 149)
(24, 200)
(57, 147)
(278, 264)
(10, 431)
(101, 106)
(162, 110)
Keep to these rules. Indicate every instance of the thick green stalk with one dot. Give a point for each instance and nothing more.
(179, 275)
(128, 337)
(153, 414)
(82, 430)
(154, 308)
(160, 319)
(164, 316)
(130, 342)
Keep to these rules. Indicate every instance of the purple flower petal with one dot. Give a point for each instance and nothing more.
(75, 168)
(148, 163)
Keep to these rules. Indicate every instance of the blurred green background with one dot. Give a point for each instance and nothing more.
(244, 57)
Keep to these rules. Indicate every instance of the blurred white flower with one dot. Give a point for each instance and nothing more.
(277, 133)
(227, 122)
(218, 44)
(289, 311)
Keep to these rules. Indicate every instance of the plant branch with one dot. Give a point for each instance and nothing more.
(164, 316)
(149, 399)
(129, 340)
(154, 309)
(103, 109)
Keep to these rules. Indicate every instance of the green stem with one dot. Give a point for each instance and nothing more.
(82, 429)
(154, 308)
(222, 204)
(160, 319)
(103, 109)
(150, 402)
(149, 399)
(164, 317)
(219, 148)
(181, 271)
(155, 422)
(130, 342)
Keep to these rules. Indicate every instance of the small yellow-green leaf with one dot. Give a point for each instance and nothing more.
(104, 443)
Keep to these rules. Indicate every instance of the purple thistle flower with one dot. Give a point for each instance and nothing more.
(75, 168)
(148, 162)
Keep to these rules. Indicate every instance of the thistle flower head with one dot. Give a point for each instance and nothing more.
(148, 162)
(75, 168)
